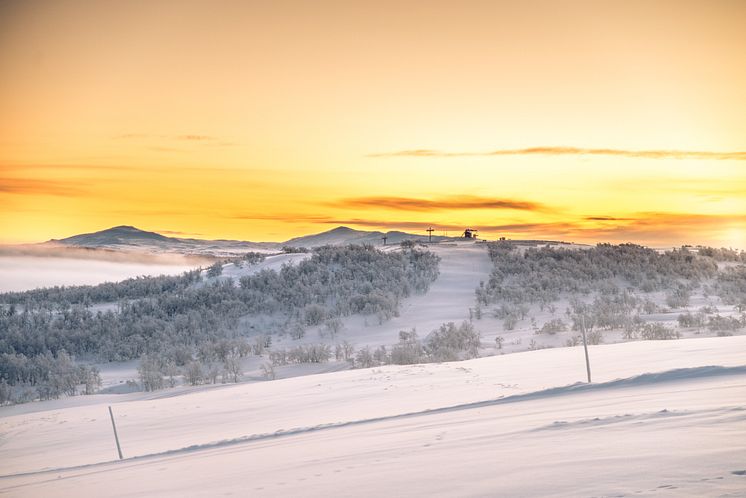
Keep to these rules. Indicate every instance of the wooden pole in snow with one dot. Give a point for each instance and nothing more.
(585, 347)
(116, 437)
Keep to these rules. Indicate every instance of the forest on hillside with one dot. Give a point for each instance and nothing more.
(179, 319)
(611, 287)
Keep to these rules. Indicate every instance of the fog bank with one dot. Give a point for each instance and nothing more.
(19, 273)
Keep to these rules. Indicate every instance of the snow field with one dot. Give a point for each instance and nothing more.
(505, 425)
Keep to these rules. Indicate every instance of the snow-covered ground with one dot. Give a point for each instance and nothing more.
(508, 425)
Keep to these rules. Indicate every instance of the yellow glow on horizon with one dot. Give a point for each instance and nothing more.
(259, 121)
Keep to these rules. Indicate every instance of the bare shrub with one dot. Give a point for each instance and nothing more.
(268, 371)
(194, 373)
(409, 350)
(724, 325)
(553, 326)
(364, 358)
(451, 342)
(658, 332)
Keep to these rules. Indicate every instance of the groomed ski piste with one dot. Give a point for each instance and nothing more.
(661, 418)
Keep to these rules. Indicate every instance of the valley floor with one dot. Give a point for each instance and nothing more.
(662, 418)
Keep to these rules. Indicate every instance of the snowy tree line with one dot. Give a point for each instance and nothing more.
(722, 254)
(178, 321)
(449, 342)
(607, 288)
(730, 286)
(222, 362)
(45, 376)
(543, 275)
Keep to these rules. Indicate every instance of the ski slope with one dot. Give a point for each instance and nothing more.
(462, 266)
(661, 419)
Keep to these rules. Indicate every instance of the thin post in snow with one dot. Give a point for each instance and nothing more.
(585, 347)
(116, 437)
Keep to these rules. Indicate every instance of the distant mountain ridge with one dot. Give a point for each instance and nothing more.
(129, 238)
(123, 234)
(346, 235)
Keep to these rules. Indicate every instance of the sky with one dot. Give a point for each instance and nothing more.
(598, 121)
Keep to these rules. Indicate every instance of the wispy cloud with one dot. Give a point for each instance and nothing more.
(12, 168)
(443, 203)
(196, 138)
(647, 228)
(360, 222)
(705, 185)
(686, 219)
(179, 233)
(186, 137)
(134, 136)
(573, 151)
(654, 228)
(158, 148)
(296, 217)
(32, 186)
(392, 225)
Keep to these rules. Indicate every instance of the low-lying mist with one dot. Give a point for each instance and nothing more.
(31, 267)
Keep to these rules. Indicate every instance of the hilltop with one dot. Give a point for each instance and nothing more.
(130, 238)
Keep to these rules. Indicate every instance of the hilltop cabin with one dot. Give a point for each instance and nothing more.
(470, 233)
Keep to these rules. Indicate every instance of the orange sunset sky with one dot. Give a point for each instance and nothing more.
(586, 121)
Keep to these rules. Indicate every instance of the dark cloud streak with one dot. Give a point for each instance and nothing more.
(445, 203)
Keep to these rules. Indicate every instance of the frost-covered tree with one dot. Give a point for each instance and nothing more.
(333, 326)
(409, 350)
(150, 373)
(232, 367)
(453, 342)
(268, 371)
(215, 270)
(177, 319)
(364, 358)
(553, 326)
(194, 373)
(678, 297)
(91, 377)
(5, 392)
